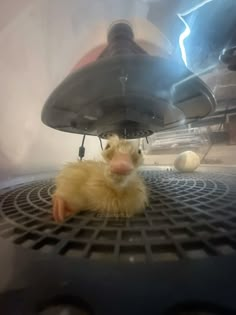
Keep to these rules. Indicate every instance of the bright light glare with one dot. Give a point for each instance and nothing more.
(187, 30)
(182, 37)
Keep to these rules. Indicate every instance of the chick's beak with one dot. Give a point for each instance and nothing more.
(121, 164)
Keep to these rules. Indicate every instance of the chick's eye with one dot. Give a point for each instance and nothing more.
(107, 146)
(139, 151)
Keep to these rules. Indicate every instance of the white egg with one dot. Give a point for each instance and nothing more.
(187, 161)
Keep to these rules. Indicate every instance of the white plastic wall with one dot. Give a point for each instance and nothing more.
(40, 42)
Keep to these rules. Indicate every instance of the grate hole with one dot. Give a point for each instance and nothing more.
(44, 216)
(32, 212)
(95, 223)
(176, 205)
(219, 213)
(107, 235)
(101, 252)
(161, 222)
(14, 216)
(156, 215)
(205, 207)
(156, 235)
(174, 213)
(28, 208)
(222, 226)
(46, 245)
(11, 211)
(82, 214)
(22, 220)
(39, 203)
(197, 250)
(181, 233)
(140, 216)
(224, 245)
(201, 217)
(189, 211)
(139, 223)
(85, 233)
(132, 254)
(46, 228)
(32, 223)
(116, 223)
(203, 199)
(27, 240)
(164, 253)
(203, 230)
(73, 221)
(232, 209)
(63, 231)
(73, 249)
(131, 236)
(183, 220)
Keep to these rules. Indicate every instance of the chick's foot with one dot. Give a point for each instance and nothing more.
(60, 210)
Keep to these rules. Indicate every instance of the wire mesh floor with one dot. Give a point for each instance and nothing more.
(191, 216)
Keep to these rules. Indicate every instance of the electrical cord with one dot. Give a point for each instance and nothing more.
(82, 149)
(100, 143)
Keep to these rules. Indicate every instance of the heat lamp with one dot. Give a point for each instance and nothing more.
(128, 92)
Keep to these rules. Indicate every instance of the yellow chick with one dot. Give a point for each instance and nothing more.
(111, 188)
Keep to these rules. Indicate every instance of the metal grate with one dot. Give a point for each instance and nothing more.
(190, 216)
